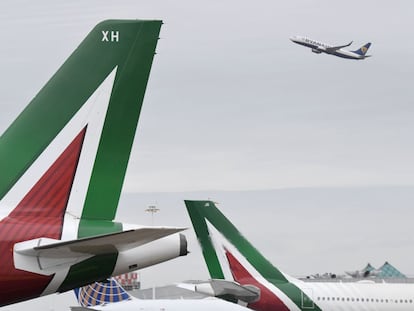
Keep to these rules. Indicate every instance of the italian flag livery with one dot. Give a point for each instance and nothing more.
(63, 162)
(230, 256)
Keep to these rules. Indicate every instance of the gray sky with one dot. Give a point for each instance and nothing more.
(232, 104)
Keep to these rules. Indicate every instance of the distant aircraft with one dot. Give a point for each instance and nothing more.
(319, 47)
(231, 257)
(368, 272)
(62, 166)
(110, 296)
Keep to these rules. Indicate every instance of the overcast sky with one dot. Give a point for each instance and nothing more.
(233, 104)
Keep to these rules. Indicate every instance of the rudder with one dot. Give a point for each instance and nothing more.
(363, 49)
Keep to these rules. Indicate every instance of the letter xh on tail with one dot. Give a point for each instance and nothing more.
(63, 163)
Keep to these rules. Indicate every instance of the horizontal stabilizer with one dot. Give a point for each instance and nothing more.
(229, 290)
(45, 255)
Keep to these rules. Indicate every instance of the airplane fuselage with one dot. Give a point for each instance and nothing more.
(333, 296)
(360, 295)
(233, 258)
(320, 47)
(319, 296)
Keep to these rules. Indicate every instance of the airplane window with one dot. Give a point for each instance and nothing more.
(357, 299)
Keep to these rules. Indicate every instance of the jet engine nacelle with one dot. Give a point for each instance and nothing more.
(316, 51)
(152, 253)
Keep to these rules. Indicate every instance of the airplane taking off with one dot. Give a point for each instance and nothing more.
(319, 47)
(110, 296)
(63, 163)
(230, 256)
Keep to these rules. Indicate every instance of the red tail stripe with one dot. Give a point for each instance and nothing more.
(59, 182)
(268, 300)
(66, 163)
(46, 181)
(39, 214)
(50, 199)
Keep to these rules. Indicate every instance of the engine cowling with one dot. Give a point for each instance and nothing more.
(316, 51)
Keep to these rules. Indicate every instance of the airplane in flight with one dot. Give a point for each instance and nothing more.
(63, 163)
(230, 256)
(319, 47)
(111, 296)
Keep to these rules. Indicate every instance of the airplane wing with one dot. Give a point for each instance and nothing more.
(227, 290)
(44, 255)
(335, 48)
(230, 290)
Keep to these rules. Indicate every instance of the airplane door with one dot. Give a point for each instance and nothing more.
(307, 299)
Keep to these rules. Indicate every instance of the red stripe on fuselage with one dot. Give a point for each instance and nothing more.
(39, 214)
(268, 300)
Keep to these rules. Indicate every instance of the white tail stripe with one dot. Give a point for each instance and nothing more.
(94, 116)
(91, 112)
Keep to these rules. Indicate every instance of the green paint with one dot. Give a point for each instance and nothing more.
(223, 225)
(88, 228)
(121, 119)
(88, 271)
(66, 92)
(199, 211)
(206, 244)
(56, 104)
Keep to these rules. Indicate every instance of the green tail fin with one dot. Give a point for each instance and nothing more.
(202, 212)
(124, 48)
(230, 256)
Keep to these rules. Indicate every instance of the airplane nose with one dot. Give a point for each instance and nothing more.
(292, 38)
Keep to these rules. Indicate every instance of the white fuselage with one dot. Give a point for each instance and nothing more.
(320, 47)
(364, 295)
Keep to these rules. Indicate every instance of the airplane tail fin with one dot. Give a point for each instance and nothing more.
(64, 159)
(363, 50)
(100, 293)
(69, 148)
(218, 236)
(232, 257)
